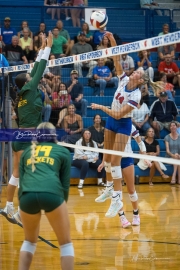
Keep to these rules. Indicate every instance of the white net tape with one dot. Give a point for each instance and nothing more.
(122, 154)
(132, 47)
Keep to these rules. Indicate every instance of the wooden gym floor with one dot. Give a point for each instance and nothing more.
(100, 243)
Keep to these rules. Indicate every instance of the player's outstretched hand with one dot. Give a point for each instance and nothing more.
(50, 39)
(95, 106)
(43, 38)
(110, 36)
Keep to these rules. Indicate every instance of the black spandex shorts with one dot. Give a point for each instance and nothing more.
(34, 202)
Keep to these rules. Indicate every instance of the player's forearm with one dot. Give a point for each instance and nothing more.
(116, 114)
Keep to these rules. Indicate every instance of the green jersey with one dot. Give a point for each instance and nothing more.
(52, 173)
(30, 103)
(57, 47)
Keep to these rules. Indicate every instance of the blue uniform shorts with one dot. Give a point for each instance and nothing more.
(126, 162)
(123, 125)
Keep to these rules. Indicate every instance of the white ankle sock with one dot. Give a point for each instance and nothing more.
(99, 180)
(9, 203)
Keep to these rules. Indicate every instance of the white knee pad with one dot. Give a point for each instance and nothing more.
(28, 247)
(14, 181)
(107, 167)
(116, 172)
(67, 250)
(133, 197)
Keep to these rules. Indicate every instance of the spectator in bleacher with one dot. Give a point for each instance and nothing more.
(109, 62)
(14, 53)
(73, 125)
(75, 13)
(58, 42)
(103, 76)
(165, 31)
(24, 24)
(164, 50)
(26, 43)
(172, 142)
(169, 88)
(85, 159)
(104, 43)
(7, 32)
(83, 47)
(46, 100)
(15, 56)
(54, 10)
(127, 64)
(42, 28)
(88, 34)
(64, 33)
(140, 117)
(55, 83)
(60, 101)
(145, 94)
(144, 61)
(153, 149)
(150, 4)
(98, 36)
(55, 70)
(97, 131)
(162, 112)
(170, 69)
(75, 89)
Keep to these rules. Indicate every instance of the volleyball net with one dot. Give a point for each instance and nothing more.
(60, 70)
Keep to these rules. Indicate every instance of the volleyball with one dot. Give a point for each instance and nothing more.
(98, 19)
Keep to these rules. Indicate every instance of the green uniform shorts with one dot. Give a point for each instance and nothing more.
(34, 202)
(20, 146)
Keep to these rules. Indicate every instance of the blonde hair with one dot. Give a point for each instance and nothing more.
(157, 87)
(42, 126)
(33, 156)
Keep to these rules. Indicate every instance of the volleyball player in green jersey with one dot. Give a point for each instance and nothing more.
(44, 185)
(29, 113)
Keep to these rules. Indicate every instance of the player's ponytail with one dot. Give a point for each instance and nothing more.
(33, 155)
(157, 87)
